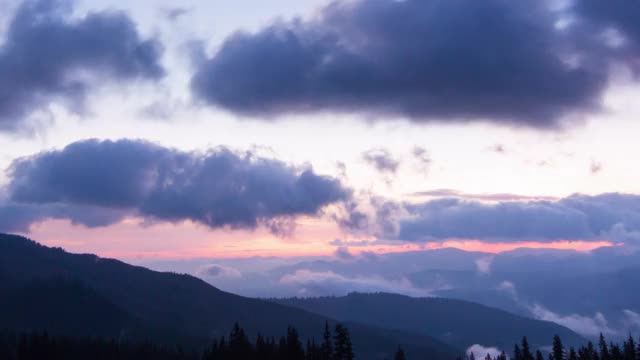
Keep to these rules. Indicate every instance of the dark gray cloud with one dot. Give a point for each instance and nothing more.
(427, 60)
(48, 56)
(382, 160)
(621, 16)
(578, 217)
(219, 188)
(371, 215)
(19, 217)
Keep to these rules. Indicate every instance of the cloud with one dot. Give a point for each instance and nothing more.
(584, 325)
(422, 157)
(480, 352)
(619, 234)
(218, 271)
(174, 14)
(577, 217)
(483, 264)
(497, 148)
(619, 16)
(509, 288)
(343, 253)
(450, 193)
(352, 243)
(382, 160)
(218, 188)
(47, 56)
(519, 63)
(20, 217)
(323, 283)
(370, 215)
(632, 318)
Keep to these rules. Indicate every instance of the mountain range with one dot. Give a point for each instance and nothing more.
(44, 288)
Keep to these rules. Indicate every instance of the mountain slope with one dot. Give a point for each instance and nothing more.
(456, 322)
(167, 302)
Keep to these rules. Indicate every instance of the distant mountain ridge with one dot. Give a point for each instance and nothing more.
(73, 294)
(456, 322)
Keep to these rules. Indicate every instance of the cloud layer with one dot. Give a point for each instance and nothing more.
(219, 188)
(578, 217)
(517, 63)
(47, 56)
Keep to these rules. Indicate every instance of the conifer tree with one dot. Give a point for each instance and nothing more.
(343, 349)
(539, 355)
(517, 354)
(327, 345)
(616, 353)
(604, 349)
(572, 354)
(526, 351)
(558, 348)
(400, 354)
(629, 349)
(294, 347)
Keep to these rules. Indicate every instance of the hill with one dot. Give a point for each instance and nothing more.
(456, 322)
(70, 294)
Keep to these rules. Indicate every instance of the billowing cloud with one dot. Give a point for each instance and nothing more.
(316, 283)
(481, 352)
(632, 318)
(47, 56)
(522, 63)
(619, 234)
(218, 188)
(584, 325)
(509, 288)
(483, 264)
(577, 217)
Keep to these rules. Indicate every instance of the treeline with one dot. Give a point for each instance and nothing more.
(334, 345)
(629, 350)
(42, 346)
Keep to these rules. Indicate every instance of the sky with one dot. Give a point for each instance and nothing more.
(189, 129)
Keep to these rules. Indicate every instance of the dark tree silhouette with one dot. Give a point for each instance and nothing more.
(343, 349)
(629, 349)
(558, 348)
(327, 346)
(604, 349)
(400, 355)
(526, 351)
